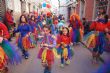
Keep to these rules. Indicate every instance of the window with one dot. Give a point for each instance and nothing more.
(101, 6)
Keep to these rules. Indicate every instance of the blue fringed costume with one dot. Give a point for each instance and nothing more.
(23, 40)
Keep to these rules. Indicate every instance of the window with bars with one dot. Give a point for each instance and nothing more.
(101, 6)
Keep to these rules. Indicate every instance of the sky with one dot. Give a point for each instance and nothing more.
(55, 3)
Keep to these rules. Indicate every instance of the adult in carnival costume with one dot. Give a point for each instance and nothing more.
(7, 50)
(77, 28)
(46, 53)
(96, 39)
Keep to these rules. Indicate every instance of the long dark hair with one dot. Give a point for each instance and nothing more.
(61, 33)
(106, 18)
(21, 19)
(34, 18)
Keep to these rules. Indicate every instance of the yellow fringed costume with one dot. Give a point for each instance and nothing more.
(65, 53)
(91, 41)
(44, 54)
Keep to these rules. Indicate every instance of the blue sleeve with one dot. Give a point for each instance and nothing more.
(29, 28)
(54, 43)
(53, 29)
(17, 30)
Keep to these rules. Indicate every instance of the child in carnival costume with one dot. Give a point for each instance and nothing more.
(23, 41)
(105, 68)
(77, 27)
(39, 22)
(63, 47)
(46, 54)
(49, 22)
(34, 32)
(55, 22)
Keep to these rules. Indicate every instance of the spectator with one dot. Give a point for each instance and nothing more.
(86, 25)
(10, 22)
(9, 19)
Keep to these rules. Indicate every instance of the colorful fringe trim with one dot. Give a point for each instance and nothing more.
(91, 41)
(87, 35)
(3, 58)
(66, 52)
(10, 51)
(26, 43)
(46, 55)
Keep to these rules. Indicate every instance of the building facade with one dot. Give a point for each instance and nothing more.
(67, 7)
(63, 9)
(90, 9)
(18, 6)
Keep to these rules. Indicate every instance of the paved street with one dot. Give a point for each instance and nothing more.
(81, 63)
(25, 17)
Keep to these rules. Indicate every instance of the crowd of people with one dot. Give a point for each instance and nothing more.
(49, 33)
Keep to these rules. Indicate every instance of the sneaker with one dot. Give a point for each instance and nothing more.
(26, 57)
(62, 65)
(46, 70)
(67, 62)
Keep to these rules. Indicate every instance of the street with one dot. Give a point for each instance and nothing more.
(81, 63)
(56, 24)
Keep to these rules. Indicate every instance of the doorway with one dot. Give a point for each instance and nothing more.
(2, 10)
